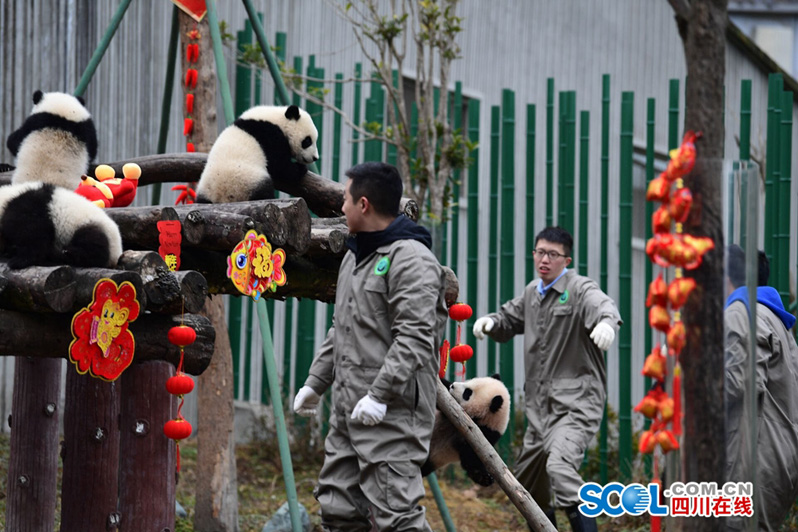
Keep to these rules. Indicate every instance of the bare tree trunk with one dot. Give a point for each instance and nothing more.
(702, 26)
(217, 493)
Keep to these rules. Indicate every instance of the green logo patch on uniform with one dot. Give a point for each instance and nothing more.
(564, 297)
(382, 266)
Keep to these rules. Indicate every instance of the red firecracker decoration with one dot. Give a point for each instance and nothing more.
(444, 352)
(657, 292)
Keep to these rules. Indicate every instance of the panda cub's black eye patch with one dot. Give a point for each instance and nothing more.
(306, 143)
(467, 394)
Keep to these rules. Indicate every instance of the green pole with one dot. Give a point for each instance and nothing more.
(221, 69)
(625, 286)
(296, 99)
(650, 157)
(529, 245)
(565, 201)
(99, 52)
(745, 147)
(782, 269)
(243, 72)
(280, 45)
(281, 93)
(549, 152)
(446, 517)
(673, 115)
(473, 229)
(507, 241)
(391, 148)
(584, 161)
(166, 103)
(356, 112)
(458, 126)
(279, 418)
(771, 161)
(493, 233)
(338, 101)
(605, 216)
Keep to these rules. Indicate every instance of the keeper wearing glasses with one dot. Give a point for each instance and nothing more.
(567, 322)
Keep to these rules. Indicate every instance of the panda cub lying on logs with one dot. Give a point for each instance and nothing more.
(487, 401)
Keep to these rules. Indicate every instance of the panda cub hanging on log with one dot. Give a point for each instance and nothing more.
(255, 149)
(487, 402)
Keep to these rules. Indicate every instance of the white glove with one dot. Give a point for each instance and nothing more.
(306, 401)
(368, 411)
(602, 335)
(483, 325)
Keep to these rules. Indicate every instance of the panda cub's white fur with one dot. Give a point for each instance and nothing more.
(56, 142)
(41, 224)
(258, 147)
(486, 400)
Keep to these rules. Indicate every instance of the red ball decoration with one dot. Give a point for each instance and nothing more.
(461, 353)
(177, 429)
(460, 312)
(182, 335)
(180, 384)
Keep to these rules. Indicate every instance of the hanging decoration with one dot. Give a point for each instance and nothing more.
(179, 384)
(681, 251)
(170, 238)
(187, 192)
(101, 343)
(461, 353)
(254, 267)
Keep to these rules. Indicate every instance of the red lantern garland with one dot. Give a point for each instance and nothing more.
(180, 384)
(187, 194)
(460, 312)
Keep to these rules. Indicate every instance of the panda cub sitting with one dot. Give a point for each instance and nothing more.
(487, 401)
(255, 149)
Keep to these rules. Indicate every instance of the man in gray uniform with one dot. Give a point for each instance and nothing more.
(380, 357)
(567, 322)
(776, 487)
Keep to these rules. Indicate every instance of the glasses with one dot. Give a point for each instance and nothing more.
(553, 255)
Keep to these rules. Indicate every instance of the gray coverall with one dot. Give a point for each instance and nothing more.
(777, 402)
(384, 339)
(564, 383)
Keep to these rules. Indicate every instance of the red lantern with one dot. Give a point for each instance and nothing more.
(182, 335)
(461, 353)
(177, 429)
(460, 312)
(180, 384)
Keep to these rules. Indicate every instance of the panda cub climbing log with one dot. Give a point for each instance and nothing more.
(42, 225)
(487, 401)
(56, 142)
(255, 149)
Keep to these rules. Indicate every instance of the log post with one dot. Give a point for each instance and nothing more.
(38, 288)
(167, 292)
(517, 494)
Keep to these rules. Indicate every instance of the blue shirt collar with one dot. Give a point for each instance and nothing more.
(543, 289)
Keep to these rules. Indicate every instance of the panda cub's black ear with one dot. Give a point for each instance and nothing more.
(82, 101)
(292, 113)
(496, 376)
(37, 97)
(496, 403)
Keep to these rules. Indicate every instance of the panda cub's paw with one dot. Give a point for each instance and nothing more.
(481, 477)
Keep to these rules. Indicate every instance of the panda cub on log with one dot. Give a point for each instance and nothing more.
(487, 401)
(56, 142)
(258, 147)
(43, 225)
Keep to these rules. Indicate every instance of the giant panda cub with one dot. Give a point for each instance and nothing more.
(487, 401)
(56, 142)
(41, 224)
(255, 149)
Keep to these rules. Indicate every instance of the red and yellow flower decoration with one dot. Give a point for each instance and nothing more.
(254, 267)
(102, 344)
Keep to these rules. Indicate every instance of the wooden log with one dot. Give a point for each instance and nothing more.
(167, 292)
(217, 230)
(87, 278)
(49, 336)
(38, 288)
(517, 494)
(33, 469)
(139, 225)
(89, 484)
(146, 407)
(327, 240)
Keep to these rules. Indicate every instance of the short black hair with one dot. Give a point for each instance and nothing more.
(380, 183)
(736, 267)
(558, 235)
